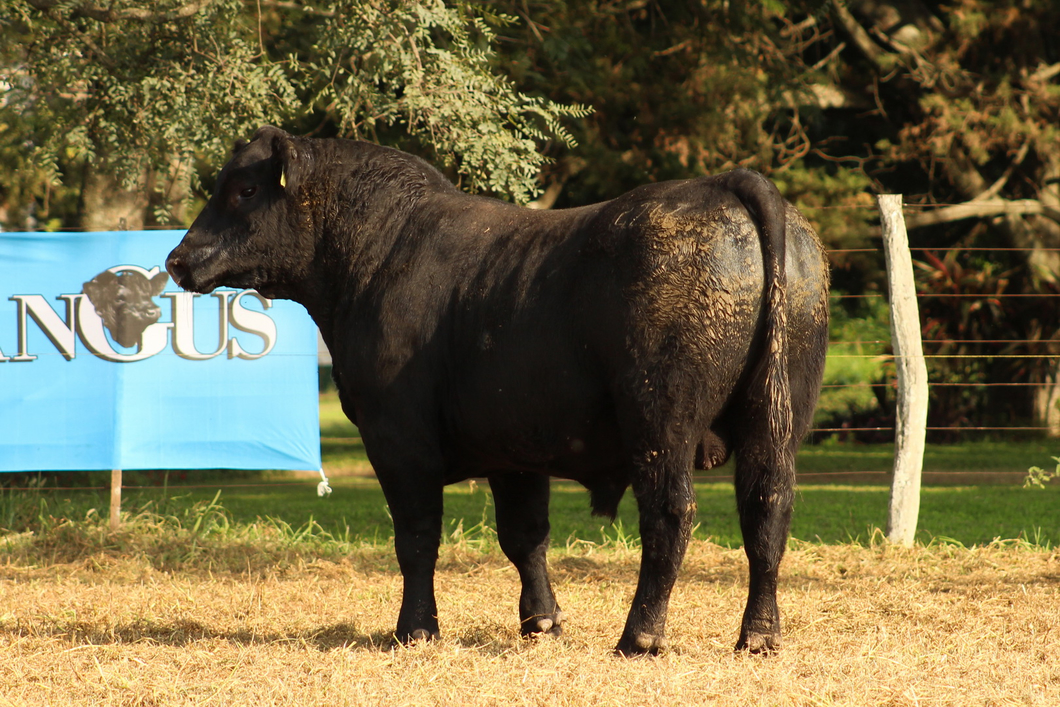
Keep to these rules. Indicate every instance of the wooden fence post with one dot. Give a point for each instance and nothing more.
(911, 425)
(115, 499)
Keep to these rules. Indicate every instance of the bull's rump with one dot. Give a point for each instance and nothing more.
(653, 298)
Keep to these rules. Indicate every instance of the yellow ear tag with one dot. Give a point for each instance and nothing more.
(283, 179)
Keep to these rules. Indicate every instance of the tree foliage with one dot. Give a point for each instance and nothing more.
(131, 89)
(957, 106)
(681, 89)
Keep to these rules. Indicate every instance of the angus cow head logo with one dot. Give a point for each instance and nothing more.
(123, 300)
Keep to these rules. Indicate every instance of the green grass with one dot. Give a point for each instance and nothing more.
(356, 512)
(994, 461)
(979, 457)
(848, 507)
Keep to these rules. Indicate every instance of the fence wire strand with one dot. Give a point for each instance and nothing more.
(944, 342)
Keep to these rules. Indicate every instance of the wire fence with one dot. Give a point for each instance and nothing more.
(1013, 349)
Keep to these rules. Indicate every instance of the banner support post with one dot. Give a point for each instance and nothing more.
(115, 499)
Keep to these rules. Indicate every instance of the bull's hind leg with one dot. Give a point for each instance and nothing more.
(523, 530)
(765, 480)
(662, 483)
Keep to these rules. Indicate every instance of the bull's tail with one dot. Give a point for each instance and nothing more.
(763, 201)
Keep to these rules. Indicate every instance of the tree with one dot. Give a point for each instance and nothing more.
(964, 111)
(111, 101)
(679, 89)
(954, 104)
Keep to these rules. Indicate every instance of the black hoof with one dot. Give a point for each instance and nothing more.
(642, 644)
(540, 626)
(759, 643)
(419, 635)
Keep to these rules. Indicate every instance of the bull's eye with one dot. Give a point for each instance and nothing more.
(248, 192)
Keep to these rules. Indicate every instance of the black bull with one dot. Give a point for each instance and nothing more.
(617, 345)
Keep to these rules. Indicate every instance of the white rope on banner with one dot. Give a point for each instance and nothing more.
(323, 488)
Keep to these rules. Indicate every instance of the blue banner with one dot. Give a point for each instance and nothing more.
(106, 364)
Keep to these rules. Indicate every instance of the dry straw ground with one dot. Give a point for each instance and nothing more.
(864, 626)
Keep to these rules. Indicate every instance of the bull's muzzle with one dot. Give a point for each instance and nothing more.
(178, 269)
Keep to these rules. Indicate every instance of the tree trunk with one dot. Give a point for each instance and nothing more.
(157, 200)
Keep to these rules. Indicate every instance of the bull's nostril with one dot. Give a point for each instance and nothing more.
(177, 269)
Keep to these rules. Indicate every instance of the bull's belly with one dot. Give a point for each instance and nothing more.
(571, 434)
(565, 438)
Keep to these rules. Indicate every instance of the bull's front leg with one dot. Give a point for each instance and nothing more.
(415, 501)
(667, 504)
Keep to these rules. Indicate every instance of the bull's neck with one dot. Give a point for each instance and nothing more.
(356, 248)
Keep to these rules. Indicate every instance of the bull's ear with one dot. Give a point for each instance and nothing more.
(91, 288)
(292, 162)
(239, 145)
(96, 287)
(158, 283)
(99, 284)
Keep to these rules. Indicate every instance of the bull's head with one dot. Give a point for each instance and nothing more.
(253, 232)
(123, 301)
